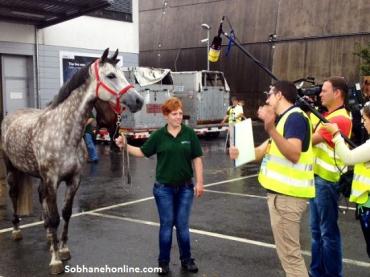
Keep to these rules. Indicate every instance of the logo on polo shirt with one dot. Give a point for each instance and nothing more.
(185, 142)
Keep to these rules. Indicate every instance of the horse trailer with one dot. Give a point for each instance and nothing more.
(204, 94)
(155, 86)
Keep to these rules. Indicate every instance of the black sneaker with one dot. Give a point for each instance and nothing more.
(165, 269)
(189, 266)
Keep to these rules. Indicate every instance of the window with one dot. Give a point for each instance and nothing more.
(212, 79)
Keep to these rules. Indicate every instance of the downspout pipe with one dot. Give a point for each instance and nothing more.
(37, 69)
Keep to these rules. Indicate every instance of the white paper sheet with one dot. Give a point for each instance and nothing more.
(241, 136)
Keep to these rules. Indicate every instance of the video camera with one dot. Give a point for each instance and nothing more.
(355, 99)
(310, 91)
(354, 102)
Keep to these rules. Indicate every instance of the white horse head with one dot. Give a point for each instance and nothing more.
(112, 86)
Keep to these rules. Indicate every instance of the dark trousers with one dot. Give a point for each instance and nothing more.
(364, 216)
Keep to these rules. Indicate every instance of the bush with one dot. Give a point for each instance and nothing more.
(364, 54)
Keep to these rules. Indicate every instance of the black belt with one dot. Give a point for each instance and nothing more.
(178, 184)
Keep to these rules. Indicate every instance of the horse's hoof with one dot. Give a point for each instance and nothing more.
(49, 238)
(64, 254)
(56, 267)
(17, 235)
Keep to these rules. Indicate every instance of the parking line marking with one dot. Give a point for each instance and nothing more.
(24, 226)
(221, 236)
(259, 196)
(230, 180)
(236, 194)
(81, 213)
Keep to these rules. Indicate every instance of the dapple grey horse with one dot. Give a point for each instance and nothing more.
(47, 143)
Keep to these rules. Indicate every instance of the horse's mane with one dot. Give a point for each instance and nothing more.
(76, 81)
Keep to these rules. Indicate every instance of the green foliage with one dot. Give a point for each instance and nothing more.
(364, 54)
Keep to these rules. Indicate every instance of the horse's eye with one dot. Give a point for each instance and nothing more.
(111, 76)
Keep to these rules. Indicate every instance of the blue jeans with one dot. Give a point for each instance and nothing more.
(326, 242)
(91, 150)
(174, 206)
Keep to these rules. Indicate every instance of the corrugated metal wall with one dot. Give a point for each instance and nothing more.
(49, 65)
(50, 75)
(313, 38)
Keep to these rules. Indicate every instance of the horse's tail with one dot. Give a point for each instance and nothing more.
(24, 201)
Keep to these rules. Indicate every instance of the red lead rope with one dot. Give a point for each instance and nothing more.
(99, 83)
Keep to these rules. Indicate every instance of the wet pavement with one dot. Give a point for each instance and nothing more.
(118, 226)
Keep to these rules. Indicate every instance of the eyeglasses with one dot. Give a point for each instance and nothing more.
(268, 94)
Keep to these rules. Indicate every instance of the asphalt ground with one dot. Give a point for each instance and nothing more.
(116, 227)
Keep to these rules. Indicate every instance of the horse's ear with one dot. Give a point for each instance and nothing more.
(104, 56)
(115, 55)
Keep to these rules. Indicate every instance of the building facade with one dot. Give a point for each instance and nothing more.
(293, 39)
(34, 61)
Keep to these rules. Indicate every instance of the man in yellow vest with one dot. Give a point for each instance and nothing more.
(326, 240)
(234, 112)
(286, 172)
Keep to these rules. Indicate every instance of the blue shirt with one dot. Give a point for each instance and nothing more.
(296, 126)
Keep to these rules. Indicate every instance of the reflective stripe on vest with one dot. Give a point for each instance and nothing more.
(360, 184)
(232, 116)
(324, 163)
(279, 174)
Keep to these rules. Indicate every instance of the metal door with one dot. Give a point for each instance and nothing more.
(16, 93)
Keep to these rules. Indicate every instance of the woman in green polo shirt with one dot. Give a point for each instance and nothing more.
(178, 151)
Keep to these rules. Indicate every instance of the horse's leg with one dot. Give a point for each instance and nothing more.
(72, 187)
(52, 220)
(13, 193)
(41, 191)
(113, 135)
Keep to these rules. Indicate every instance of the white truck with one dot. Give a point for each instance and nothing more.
(155, 86)
(204, 94)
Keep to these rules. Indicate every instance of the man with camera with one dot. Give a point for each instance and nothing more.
(326, 240)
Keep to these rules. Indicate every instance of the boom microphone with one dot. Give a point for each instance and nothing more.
(215, 49)
(220, 27)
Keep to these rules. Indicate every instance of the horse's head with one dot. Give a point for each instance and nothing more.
(112, 86)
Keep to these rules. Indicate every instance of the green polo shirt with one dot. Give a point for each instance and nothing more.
(174, 154)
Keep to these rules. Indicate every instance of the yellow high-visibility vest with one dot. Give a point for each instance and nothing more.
(232, 117)
(279, 174)
(360, 184)
(325, 165)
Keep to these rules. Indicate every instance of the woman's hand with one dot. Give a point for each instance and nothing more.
(332, 128)
(233, 152)
(199, 189)
(121, 141)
